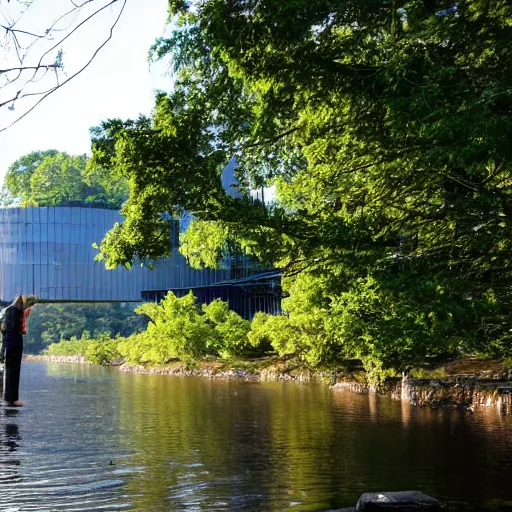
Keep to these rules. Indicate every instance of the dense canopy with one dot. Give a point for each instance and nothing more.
(387, 128)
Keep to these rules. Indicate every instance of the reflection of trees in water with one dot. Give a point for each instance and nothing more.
(243, 446)
(388, 444)
(9, 444)
(179, 429)
(227, 445)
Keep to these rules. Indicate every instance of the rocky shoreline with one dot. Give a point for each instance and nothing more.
(57, 359)
(466, 391)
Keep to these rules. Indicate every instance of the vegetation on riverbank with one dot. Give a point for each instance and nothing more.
(386, 131)
(180, 329)
(183, 335)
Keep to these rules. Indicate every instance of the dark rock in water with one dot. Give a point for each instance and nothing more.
(406, 501)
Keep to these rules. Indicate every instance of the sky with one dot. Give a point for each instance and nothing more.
(118, 83)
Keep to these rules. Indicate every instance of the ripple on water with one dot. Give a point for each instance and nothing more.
(95, 440)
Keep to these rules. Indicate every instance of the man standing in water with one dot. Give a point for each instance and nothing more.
(13, 328)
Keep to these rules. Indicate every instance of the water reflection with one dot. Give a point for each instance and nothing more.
(180, 444)
(453, 455)
(406, 410)
(9, 443)
(11, 431)
(226, 445)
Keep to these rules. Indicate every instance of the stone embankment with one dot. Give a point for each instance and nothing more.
(467, 392)
(219, 371)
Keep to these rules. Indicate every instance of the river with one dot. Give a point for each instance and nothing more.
(92, 439)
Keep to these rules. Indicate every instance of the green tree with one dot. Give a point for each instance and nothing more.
(177, 329)
(52, 178)
(230, 329)
(19, 174)
(51, 323)
(387, 132)
(204, 243)
(57, 179)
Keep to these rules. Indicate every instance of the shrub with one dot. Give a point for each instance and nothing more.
(229, 338)
(177, 329)
(103, 350)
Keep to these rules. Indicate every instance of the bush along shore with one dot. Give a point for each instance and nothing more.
(213, 341)
(466, 384)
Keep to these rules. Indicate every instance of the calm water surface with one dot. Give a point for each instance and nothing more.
(93, 439)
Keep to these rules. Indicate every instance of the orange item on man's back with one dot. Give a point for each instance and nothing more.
(24, 321)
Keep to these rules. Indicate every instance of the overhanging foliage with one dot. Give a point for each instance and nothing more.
(387, 130)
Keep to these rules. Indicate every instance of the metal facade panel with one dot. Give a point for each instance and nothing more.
(28, 215)
(48, 251)
(96, 291)
(66, 215)
(37, 281)
(36, 256)
(45, 257)
(43, 215)
(75, 216)
(44, 282)
(52, 280)
(6, 281)
(58, 227)
(51, 216)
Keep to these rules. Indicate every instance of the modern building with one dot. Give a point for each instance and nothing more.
(48, 252)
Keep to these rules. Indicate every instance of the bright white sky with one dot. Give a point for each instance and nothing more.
(118, 83)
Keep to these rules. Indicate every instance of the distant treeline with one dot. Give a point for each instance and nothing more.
(54, 178)
(51, 323)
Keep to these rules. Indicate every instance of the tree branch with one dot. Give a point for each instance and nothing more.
(272, 140)
(58, 86)
(39, 68)
(27, 68)
(10, 29)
